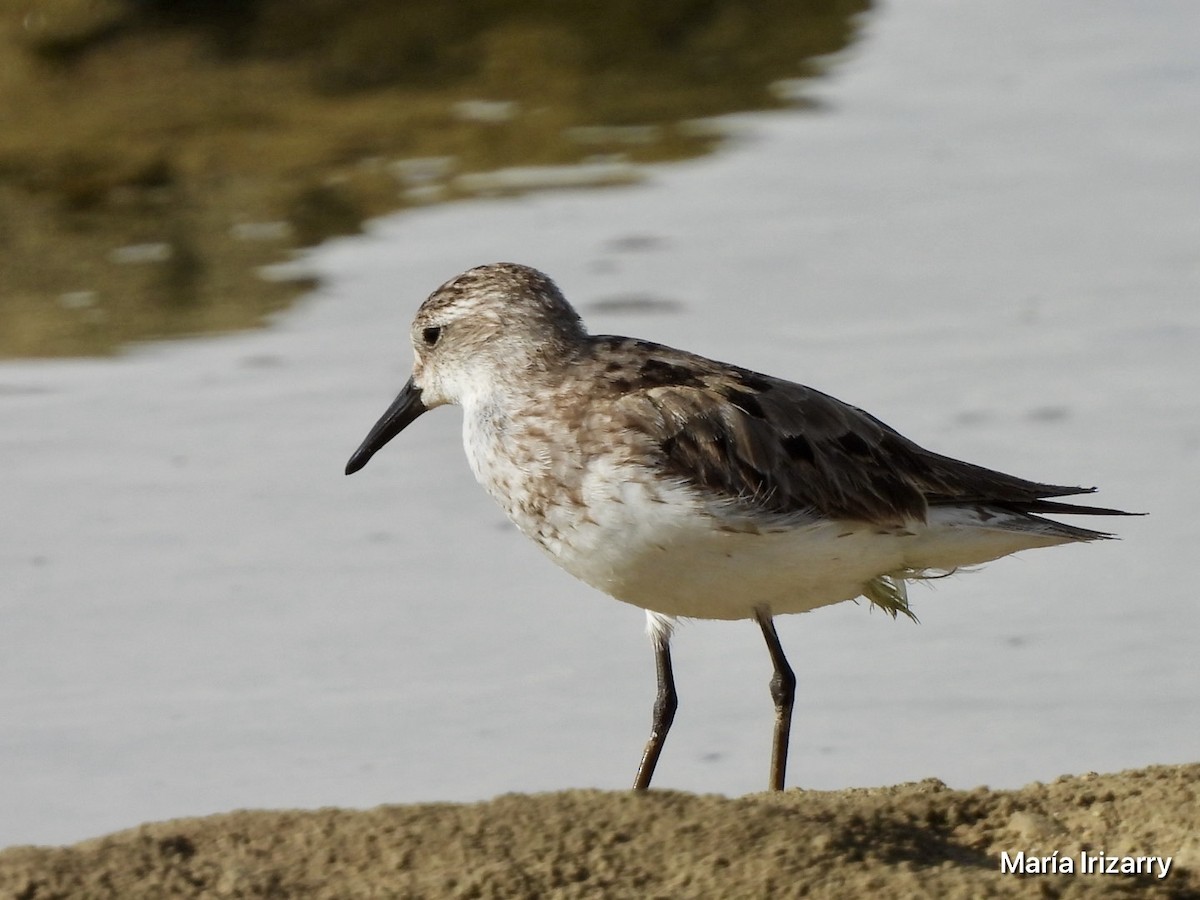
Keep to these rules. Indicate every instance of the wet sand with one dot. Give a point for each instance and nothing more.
(912, 840)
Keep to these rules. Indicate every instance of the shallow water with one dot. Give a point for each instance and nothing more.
(987, 238)
(139, 208)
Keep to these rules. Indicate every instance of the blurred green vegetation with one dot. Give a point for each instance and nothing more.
(154, 154)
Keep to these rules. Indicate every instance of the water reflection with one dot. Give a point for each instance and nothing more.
(168, 151)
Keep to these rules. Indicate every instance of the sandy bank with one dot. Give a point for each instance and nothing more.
(912, 840)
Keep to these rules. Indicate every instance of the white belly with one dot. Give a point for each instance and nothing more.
(661, 547)
(653, 545)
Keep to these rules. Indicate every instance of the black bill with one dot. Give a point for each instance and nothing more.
(404, 409)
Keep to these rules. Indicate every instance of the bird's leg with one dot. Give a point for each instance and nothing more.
(783, 692)
(665, 704)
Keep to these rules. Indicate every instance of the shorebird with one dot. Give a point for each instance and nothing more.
(698, 489)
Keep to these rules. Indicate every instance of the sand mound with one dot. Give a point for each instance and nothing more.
(913, 840)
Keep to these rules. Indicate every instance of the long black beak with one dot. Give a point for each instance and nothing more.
(404, 410)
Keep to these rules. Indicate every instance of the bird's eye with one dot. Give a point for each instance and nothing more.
(431, 335)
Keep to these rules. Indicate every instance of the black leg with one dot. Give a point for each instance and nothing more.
(665, 704)
(783, 692)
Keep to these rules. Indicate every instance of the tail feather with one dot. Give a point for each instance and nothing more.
(1063, 530)
(1070, 509)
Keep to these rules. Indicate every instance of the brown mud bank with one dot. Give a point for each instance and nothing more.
(911, 840)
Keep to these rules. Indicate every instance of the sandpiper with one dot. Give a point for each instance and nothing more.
(694, 488)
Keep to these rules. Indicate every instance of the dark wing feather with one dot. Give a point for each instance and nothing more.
(788, 449)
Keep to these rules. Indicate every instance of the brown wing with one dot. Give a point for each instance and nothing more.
(788, 449)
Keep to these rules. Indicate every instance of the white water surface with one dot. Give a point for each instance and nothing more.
(989, 236)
